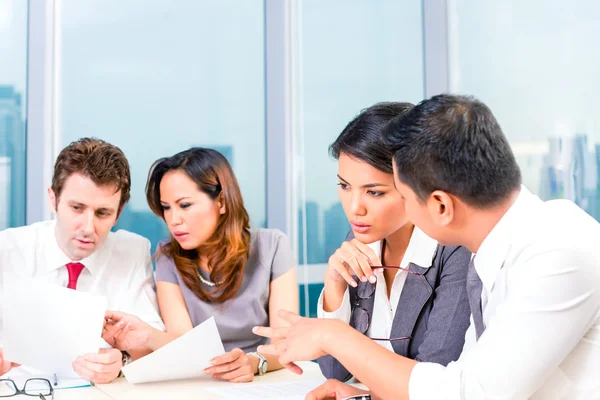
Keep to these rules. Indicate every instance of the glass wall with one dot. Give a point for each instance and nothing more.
(349, 56)
(535, 63)
(13, 118)
(177, 75)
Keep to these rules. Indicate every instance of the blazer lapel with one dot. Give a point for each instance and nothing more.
(415, 293)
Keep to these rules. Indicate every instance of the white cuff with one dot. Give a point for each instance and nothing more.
(342, 313)
(424, 382)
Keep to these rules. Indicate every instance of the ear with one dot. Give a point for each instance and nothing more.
(52, 200)
(441, 207)
(221, 204)
(119, 214)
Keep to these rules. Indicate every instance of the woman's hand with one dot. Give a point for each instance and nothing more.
(352, 258)
(125, 331)
(235, 366)
(6, 365)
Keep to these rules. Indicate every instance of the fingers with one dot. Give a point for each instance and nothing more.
(336, 263)
(227, 357)
(95, 376)
(104, 356)
(325, 391)
(367, 251)
(120, 334)
(276, 349)
(294, 368)
(98, 372)
(115, 316)
(241, 372)
(289, 317)
(358, 260)
(234, 366)
(275, 334)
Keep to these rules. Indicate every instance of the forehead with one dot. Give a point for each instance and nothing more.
(177, 184)
(359, 172)
(81, 189)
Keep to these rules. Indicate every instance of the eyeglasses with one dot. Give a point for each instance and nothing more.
(360, 318)
(37, 387)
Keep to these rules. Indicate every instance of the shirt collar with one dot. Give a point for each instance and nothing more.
(420, 251)
(56, 258)
(493, 251)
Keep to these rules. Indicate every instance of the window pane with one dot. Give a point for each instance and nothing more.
(13, 88)
(159, 77)
(350, 55)
(535, 64)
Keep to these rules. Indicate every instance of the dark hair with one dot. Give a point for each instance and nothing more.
(454, 143)
(102, 162)
(362, 138)
(228, 247)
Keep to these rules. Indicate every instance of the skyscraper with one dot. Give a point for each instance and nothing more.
(4, 192)
(314, 248)
(12, 147)
(336, 228)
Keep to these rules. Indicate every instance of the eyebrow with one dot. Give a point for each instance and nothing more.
(367, 186)
(77, 203)
(176, 201)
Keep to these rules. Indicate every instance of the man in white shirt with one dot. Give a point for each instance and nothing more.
(534, 280)
(90, 187)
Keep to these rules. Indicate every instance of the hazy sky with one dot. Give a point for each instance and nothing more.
(157, 76)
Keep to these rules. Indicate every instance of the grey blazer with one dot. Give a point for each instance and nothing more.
(433, 309)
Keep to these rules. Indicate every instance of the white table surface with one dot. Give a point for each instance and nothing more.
(186, 389)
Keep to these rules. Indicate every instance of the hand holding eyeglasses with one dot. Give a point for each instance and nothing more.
(353, 258)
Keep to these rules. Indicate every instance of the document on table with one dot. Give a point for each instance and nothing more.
(273, 391)
(20, 375)
(48, 326)
(185, 357)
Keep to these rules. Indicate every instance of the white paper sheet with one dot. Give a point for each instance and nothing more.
(48, 326)
(273, 391)
(185, 357)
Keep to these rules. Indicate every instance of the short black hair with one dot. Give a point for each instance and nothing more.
(454, 143)
(363, 139)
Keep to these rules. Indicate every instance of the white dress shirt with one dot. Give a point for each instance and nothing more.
(120, 269)
(540, 269)
(421, 250)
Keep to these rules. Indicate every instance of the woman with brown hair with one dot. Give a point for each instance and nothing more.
(213, 265)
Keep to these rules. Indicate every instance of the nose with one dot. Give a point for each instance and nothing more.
(357, 206)
(88, 222)
(175, 218)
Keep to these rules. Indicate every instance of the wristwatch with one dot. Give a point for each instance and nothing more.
(262, 363)
(125, 359)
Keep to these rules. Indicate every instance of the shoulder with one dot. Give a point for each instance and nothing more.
(128, 244)
(163, 260)
(266, 239)
(265, 243)
(25, 236)
(453, 258)
(128, 239)
(558, 225)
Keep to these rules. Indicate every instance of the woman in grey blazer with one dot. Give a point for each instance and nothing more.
(416, 304)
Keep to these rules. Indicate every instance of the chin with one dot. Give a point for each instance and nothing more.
(367, 238)
(187, 245)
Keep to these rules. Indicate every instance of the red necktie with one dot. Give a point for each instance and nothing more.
(74, 272)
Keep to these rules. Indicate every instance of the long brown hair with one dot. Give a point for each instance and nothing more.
(227, 249)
